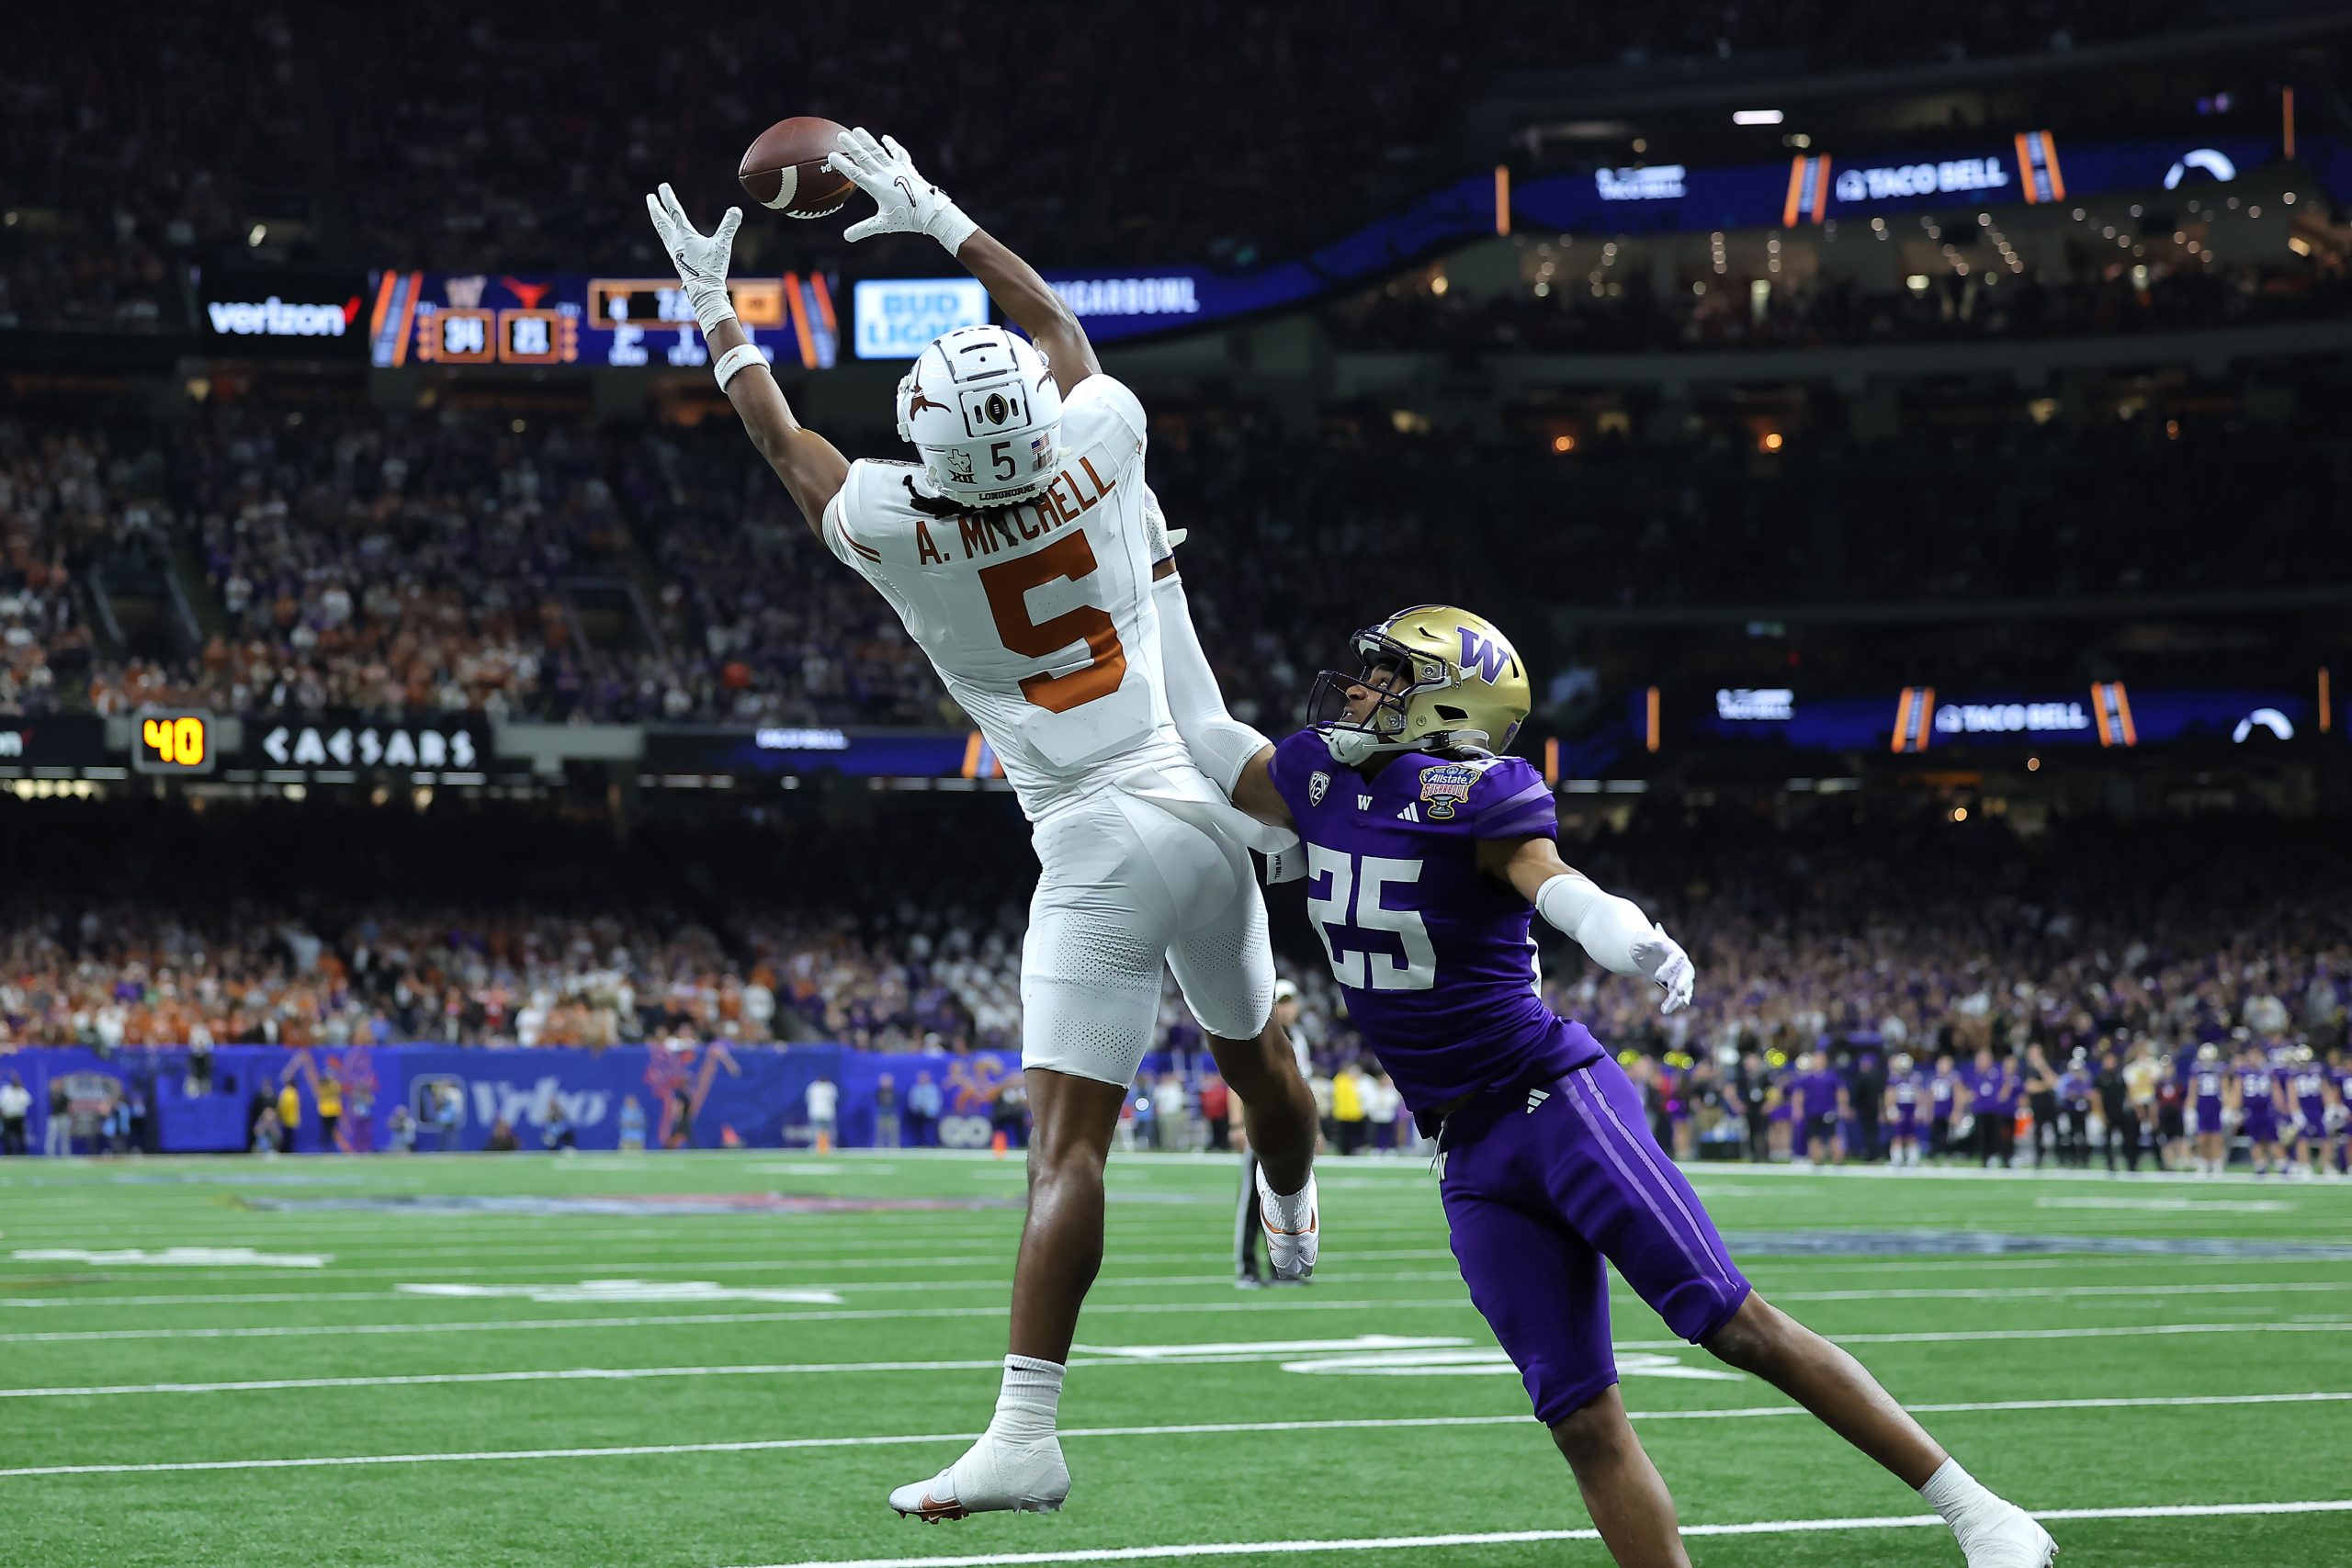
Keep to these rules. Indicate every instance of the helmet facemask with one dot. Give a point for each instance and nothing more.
(1391, 676)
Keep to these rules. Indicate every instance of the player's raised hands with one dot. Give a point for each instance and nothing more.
(701, 259)
(905, 202)
(1661, 958)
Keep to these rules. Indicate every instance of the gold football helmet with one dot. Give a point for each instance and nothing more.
(1433, 677)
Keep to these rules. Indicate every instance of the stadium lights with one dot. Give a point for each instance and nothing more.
(1755, 117)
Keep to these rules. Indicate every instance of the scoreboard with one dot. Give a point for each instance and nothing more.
(570, 319)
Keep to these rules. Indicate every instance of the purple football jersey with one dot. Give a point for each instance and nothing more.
(1434, 958)
(1818, 1090)
(1905, 1090)
(1993, 1089)
(2310, 1087)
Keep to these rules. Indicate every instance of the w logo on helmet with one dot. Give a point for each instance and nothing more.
(1487, 658)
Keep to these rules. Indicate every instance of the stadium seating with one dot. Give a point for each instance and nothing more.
(109, 207)
(513, 926)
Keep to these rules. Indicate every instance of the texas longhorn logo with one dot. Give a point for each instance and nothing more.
(918, 403)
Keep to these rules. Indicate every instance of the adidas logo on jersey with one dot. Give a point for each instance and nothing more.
(1412, 812)
(1536, 1097)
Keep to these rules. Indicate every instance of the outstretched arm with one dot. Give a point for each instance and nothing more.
(1613, 931)
(809, 466)
(906, 203)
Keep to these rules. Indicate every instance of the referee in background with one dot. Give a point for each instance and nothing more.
(1247, 1225)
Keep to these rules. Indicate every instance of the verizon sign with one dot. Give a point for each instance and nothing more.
(274, 317)
(294, 313)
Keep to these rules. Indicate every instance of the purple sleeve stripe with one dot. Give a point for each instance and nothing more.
(1535, 818)
(1538, 790)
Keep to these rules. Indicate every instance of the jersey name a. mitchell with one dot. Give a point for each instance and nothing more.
(1064, 501)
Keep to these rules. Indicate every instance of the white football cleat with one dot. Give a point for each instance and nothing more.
(2008, 1538)
(995, 1475)
(1290, 1253)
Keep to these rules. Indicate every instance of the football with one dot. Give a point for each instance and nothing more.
(785, 168)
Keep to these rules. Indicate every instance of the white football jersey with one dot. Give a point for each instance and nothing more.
(1039, 618)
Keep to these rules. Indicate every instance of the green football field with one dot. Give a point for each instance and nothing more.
(726, 1361)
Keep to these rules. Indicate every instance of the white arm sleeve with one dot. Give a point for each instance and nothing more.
(1220, 743)
(1604, 925)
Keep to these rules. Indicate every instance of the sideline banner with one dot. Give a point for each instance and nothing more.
(707, 1097)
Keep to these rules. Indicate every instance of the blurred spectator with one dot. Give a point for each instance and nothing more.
(824, 1099)
(16, 1105)
(922, 1110)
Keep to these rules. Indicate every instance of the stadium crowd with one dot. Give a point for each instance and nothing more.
(334, 561)
(335, 924)
(138, 148)
(1629, 316)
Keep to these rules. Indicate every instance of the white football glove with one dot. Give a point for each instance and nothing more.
(1157, 535)
(905, 203)
(701, 259)
(1661, 958)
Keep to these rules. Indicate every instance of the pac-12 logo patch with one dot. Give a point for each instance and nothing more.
(1318, 785)
(1447, 787)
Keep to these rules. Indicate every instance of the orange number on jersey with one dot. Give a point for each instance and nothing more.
(1008, 584)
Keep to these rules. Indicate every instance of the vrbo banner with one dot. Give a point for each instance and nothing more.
(166, 1101)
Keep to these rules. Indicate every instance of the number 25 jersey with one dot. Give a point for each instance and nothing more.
(1038, 617)
(1434, 957)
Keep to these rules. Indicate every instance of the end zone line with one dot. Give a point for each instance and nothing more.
(1186, 1429)
(1514, 1538)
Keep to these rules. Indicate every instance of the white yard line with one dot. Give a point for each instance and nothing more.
(1184, 1429)
(1514, 1538)
(2094, 1293)
(1919, 1293)
(674, 1320)
(999, 1258)
(1293, 1303)
(1760, 1265)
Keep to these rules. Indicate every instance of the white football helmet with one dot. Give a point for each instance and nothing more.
(981, 407)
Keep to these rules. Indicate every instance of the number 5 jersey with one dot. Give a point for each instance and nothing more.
(1038, 616)
(1435, 958)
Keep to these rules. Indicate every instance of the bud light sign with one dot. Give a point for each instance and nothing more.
(897, 316)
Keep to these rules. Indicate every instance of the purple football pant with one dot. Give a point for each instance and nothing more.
(1542, 1182)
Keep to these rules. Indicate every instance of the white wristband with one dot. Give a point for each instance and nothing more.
(951, 227)
(712, 303)
(735, 359)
